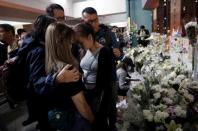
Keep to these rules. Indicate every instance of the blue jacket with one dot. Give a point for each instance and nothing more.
(43, 84)
(35, 61)
(101, 37)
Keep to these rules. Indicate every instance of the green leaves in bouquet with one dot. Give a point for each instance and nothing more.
(172, 126)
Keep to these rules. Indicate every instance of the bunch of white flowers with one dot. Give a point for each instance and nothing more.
(171, 93)
(179, 129)
(168, 100)
(148, 115)
(194, 85)
(138, 88)
(157, 95)
(160, 116)
(156, 88)
(189, 97)
(180, 112)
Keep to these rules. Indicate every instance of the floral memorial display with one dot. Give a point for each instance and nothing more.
(166, 100)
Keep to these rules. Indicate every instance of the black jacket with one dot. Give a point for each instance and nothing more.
(108, 39)
(3, 53)
(103, 84)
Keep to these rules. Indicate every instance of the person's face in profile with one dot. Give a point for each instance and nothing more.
(59, 15)
(91, 19)
(86, 42)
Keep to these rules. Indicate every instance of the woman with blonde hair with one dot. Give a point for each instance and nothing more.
(69, 98)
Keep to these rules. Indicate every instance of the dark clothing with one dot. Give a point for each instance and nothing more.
(108, 39)
(103, 78)
(44, 92)
(76, 51)
(103, 85)
(3, 53)
(141, 39)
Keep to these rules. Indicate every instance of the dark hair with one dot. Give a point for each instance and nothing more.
(40, 26)
(20, 31)
(129, 62)
(142, 27)
(89, 10)
(84, 30)
(7, 27)
(52, 7)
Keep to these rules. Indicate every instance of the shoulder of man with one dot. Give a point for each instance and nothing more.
(104, 35)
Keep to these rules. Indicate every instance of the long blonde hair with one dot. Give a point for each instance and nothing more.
(58, 43)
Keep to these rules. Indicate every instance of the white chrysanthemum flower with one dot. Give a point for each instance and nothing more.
(181, 77)
(183, 91)
(177, 80)
(164, 90)
(180, 112)
(172, 75)
(148, 115)
(171, 93)
(186, 83)
(168, 101)
(194, 85)
(179, 129)
(156, 88)
(137, 97)
(160, 116)
(164, 82)
(189, 97)
(157, 95)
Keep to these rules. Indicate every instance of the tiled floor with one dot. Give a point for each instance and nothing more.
(11, 119)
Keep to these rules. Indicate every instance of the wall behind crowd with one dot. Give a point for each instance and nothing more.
(139, 15)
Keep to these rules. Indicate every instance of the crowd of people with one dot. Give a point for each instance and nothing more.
(72, 77)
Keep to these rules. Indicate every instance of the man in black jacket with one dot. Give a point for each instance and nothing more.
(7, 36)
